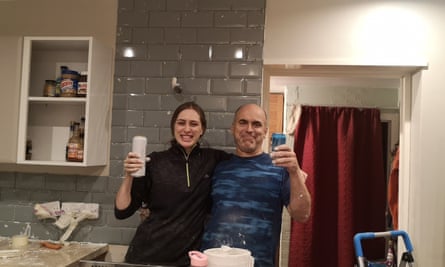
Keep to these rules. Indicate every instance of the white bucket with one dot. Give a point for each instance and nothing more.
(229, 257)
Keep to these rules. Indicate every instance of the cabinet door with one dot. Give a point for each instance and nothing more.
(10, 48)
(45, 121)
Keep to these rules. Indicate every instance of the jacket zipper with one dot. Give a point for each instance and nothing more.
(187, 170)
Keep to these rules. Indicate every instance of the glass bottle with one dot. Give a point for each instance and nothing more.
(74, 144)
(80, 148)
(70, 136)
(49, 89)
(390, 254)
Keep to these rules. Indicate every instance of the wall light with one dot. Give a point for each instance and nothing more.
(239, 53)
(210, 52)
(128, 52)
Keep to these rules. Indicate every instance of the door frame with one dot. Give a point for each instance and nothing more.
(404, 73)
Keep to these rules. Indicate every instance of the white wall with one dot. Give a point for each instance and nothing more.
(20, 18)
(346, 31)
(361, 32)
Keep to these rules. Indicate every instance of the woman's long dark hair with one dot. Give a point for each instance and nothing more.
(184, 106)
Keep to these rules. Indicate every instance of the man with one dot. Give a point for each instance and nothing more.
(250, 190)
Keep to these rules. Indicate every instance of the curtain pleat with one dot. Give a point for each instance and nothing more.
(341, 150)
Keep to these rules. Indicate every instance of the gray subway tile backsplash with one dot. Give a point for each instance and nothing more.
(248, 4)
(124, 34)
(231, 19)
(196, 86)
(255, 18)
(149, 5)
(197, 19)
(246, 36)
(140, 102)
(120, 101)
(228, 52)
(227, 86)
(169, 38)
(172, 69)
(180, 35)
(195, 52)
(253, 87)
(245, 69)
(188, 5)
(145, 35)
(213, 36)
(215, 4)
(145, 68)
(157, 119)
(152, 133)
(132, 18)
(134, 85)
(164, 19)
(158, 85)
(60, 183)
(212, 69)
(163, 52)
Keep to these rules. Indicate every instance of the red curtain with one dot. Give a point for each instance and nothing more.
(341, 150)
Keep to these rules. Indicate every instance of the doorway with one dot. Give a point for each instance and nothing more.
(402, 76)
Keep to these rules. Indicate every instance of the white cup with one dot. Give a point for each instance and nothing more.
(138, 146)
(19, 241)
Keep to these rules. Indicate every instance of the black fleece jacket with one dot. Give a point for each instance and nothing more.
(176, 188)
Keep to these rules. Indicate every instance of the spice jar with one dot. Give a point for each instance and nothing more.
(69, 83)
(49, 89)
(82, 85)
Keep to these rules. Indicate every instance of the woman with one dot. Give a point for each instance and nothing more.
(176, 190)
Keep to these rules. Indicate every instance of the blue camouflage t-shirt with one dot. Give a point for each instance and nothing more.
(248, 197)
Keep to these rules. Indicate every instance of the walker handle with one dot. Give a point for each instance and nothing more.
(370, 235)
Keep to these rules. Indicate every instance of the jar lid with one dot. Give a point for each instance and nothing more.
(73, 72)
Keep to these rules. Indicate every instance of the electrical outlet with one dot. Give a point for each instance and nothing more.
(74, 209)
(53, 208)
(92, 209)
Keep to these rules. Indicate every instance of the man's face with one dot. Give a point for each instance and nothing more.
(249, 130)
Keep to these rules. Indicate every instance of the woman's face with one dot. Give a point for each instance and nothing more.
(188, 129)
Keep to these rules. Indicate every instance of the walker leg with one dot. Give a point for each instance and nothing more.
(407, 260)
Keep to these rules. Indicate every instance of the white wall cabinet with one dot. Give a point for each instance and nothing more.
(46, 120)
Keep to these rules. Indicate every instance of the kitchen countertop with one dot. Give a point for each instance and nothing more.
(34, 254)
